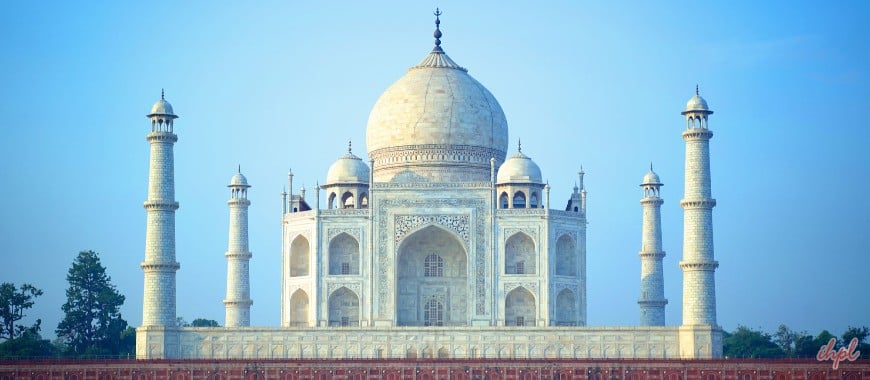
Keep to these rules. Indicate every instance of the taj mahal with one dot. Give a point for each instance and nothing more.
(444, 243)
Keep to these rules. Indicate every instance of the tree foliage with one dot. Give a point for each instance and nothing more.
(92, 323)
(202, 322)
(13, 303)
(747, 343)
(861, 334)
(28, 344)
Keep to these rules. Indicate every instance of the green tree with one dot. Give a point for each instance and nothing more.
(202, 322)
(785, 338)
(861, 334)
(92, 323)
(747, 343)
(28, 344)
(13, 303)
(806, 346)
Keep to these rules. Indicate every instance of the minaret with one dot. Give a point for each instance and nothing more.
(652, 286)
(158, 306)
(238, 301)
(698, 265)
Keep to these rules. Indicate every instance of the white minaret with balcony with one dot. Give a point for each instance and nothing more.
(238, 302)
(698, 265)
(652, 285)
(158, 308)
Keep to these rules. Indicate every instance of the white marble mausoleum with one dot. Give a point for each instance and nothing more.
(444, 243)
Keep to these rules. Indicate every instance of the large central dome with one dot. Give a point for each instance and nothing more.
(436, 123)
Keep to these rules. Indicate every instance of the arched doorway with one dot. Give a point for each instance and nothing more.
(519, 308)
(299, 250)
(299, 309)
(343, 255)
(566, 308)
(566, 256)
(343, 308)
(519, 254)
(432, 275)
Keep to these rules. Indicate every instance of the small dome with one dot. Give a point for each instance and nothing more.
(239, 180)
(651, 178)
(348, 169)
(519, 168)
(697, 103)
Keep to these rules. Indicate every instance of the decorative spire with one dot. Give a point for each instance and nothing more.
(519, 145)
(698, 93)
(349, 150)
(437, 33)
(162, 97)
(240, 168)
(650, 166)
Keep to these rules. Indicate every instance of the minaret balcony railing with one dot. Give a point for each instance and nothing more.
(698, 203)
(165, 137)
(160, 204)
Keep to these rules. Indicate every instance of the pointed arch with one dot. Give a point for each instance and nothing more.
(364, 200)
(566, 256)
(330, 203)
(299, 256)
(299, 309)
(503, 200)
(533, 200)
(519, 308)
(344, 257)
(343, 308)
(519, 254)
(566, 308)
(347, 200)
(519, 200)
(432, 264)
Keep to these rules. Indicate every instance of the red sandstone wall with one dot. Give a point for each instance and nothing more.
(432, 369)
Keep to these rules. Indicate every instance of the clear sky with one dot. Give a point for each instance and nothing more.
(274, 86)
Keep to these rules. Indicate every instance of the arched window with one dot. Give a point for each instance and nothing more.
(299, 309)
(519, 200)
(519, 308)
(343, 255)
(343, 308)
(299, 257)
(519, 257)
(330, 204)
(347, 200)
(503, 200)
(533, 200)
(433, 266)
(566, 256)
(433, 313)
(364, 201)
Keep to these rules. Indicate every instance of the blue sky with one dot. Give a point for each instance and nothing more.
(280, 85)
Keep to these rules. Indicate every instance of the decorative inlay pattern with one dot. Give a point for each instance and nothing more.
(384, 257)
(331, 287)
(455, 223)
(530, 286)
(333, 232)
(532, 232)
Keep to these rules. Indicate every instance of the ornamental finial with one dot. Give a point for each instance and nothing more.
(349, 147)
(240, 168)
(437, 33)
(162, 95)
(650, 166)
(519, 145)
(698, 93)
